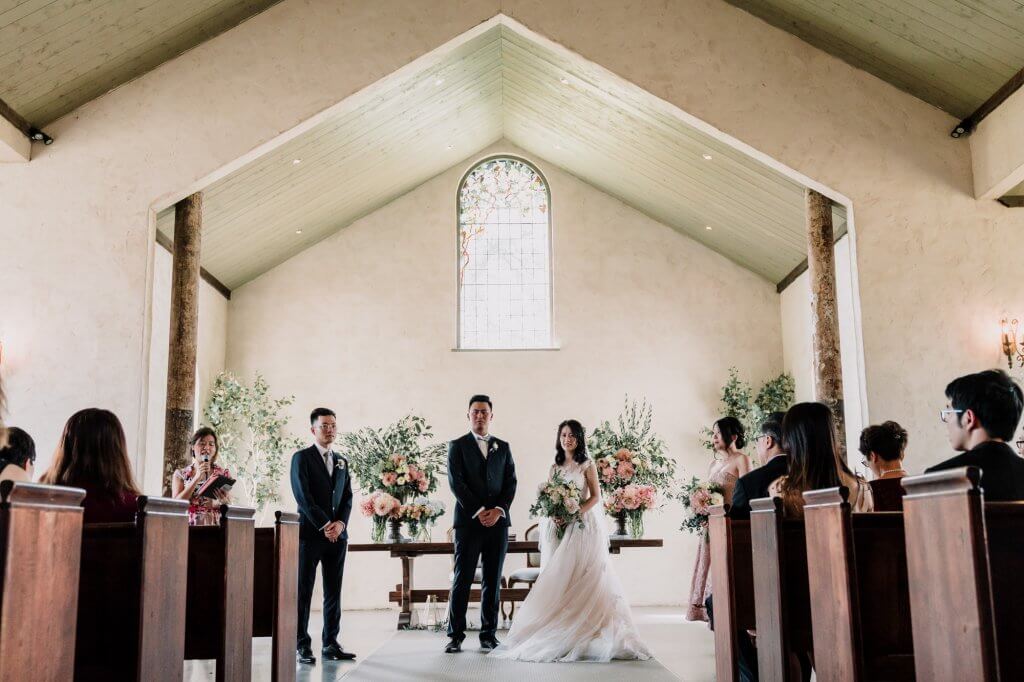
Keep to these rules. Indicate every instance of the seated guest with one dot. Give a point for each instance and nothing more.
(773, 463)
(809, 439)
(883, 447)
(19, 457)
(981, 415)
(93, 454)
(202, 511)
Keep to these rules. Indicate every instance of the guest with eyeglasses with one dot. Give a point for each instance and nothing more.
(982, 414)
(1020, 446)
(883, 447)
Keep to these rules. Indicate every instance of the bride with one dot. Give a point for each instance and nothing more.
(576, 610)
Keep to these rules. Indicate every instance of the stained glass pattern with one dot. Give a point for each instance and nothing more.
(504, 257)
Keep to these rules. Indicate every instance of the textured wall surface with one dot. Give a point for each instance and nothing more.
(364, 322)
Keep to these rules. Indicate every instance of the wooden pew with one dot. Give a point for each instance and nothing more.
(219, 612)
(275, 592)
(781, 593)
(131, 596)
(860, 610)
(965, 560)
(732, 580)
(40, 541)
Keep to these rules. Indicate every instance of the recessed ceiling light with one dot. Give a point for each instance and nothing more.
(451, 146)
(296, 162)
(707, 227)
(558, 146)
(565, 81)
(298, 231)
(707, 157)
(439, 81)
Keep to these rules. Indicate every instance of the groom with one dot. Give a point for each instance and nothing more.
(482, 476)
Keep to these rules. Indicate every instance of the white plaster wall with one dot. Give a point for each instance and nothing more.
(364, 322)
(210, 352)
(795, 308)
(997, 149)
(75, 222)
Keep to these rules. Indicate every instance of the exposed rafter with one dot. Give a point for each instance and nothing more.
(18, 121)
(967, 126)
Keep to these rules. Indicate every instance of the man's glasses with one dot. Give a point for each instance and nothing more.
(1020, 444)
(944, 414)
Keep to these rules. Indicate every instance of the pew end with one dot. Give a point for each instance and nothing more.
(275, 591)
(39, 580)
(131, 612)
(733, 580)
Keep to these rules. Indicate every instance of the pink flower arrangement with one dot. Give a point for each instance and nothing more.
(698, 497)
(379, 503)
(389, 478)
(404, 477)
(618, 469)
(631, 498)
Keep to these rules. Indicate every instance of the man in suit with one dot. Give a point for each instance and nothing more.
(751, 486)
(323, 491)
(482, 476)
(981, 415)
(774, 463)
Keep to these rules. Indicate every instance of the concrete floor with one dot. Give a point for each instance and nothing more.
(686, 649)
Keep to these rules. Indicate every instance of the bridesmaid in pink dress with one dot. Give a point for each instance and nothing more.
(729, 464)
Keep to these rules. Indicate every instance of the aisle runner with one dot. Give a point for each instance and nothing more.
(419, 655)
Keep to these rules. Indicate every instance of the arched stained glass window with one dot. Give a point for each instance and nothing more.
(504, 209)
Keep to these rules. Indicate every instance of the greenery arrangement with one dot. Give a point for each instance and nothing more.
(399, 459)
(251, 434)
(738, 400)
(630, 452)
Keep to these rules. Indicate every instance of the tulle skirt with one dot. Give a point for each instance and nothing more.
(577, 610)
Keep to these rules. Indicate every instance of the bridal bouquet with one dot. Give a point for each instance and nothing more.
(698, 497)
(558, 499)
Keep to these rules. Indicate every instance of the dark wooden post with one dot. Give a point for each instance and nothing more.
(821, 268)
(181, 352)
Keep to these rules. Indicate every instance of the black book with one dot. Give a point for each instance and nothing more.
(213, 484)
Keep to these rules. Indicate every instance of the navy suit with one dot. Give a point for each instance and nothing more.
(321, 499)
(478, 482)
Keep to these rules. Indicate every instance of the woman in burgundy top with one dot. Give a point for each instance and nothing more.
(93, 454)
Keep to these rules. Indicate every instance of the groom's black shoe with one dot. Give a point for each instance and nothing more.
(333, 652)
(488, 643)
(305, 655)
(454, 646)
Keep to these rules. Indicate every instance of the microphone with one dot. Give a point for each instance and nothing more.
(206, 458)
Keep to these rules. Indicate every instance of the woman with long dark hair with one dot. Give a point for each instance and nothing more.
(577, 609)
(728, 437)
(202, 510)
(815, 460)
(93, 454)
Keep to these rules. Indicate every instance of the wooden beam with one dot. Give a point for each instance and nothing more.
(791, 277)
(181, 353)
(821, 266)
(967, 126)
(1012, 201)
(168, 243)
(18, 121)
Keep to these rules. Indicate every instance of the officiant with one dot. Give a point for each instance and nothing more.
(187, 482)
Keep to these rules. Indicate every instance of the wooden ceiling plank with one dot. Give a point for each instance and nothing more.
(988, 34)
(46, 25)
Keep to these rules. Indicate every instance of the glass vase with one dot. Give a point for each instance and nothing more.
(620, 524)
(426, 532)
(636, 525)
(378, 529)
(414, 529)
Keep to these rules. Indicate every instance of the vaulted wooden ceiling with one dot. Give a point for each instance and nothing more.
(56, 55)
(953, 54)
(553, 104)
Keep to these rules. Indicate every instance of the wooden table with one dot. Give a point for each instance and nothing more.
(406, 596)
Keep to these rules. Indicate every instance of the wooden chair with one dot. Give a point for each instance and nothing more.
(860, 610)
(219, 613)
(965, 561)
(732, 578)
(275, 591)
(781, 593)
(40, 544)
(131, 596)
(528, 575)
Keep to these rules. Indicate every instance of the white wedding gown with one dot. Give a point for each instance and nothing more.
(576, 610)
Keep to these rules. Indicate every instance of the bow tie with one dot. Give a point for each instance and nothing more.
(485, 439)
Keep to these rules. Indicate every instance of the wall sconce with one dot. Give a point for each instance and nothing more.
(1012, 348)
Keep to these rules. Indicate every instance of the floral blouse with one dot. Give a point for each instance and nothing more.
(202, 511)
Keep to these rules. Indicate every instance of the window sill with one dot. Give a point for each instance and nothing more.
(504, 350)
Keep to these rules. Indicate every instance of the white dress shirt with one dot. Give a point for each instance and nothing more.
(484, 443)
(329, 463)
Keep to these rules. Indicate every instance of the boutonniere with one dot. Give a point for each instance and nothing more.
(494, 446)
(340, 463)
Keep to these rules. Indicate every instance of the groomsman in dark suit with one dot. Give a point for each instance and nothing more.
(482, 476)
(323, 491)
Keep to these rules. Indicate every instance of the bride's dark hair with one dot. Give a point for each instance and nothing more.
(580, 456)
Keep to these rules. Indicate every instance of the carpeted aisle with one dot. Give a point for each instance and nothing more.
(419, 655)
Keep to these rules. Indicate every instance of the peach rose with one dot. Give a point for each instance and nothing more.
(388, 478)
